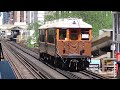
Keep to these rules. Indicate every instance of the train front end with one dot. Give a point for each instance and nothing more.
(74, 46)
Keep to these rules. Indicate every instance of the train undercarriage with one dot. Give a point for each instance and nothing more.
(69, 63)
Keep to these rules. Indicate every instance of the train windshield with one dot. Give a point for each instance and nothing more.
(74, 34)
(62, 34)
(85, 34)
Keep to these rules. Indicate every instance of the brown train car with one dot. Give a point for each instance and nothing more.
(66, 43)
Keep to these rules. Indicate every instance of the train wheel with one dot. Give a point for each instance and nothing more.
(55, 63)
(87, 64)
(45, 58)
(51, 60)
(41, 57)
(62, 65)
(66, 66)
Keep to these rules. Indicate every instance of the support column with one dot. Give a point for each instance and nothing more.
(118, 76)
(103, 64)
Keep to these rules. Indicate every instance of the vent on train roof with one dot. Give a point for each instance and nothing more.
(74, 22)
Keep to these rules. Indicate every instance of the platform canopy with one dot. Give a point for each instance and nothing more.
(9, 27)
(15, 28)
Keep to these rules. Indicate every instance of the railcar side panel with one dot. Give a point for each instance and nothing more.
(51, 49)
(74, 47)
(87, 48)
(62, 47)
(42, 41)
(42, 47)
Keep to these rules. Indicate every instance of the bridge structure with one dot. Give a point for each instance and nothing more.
(102, 44)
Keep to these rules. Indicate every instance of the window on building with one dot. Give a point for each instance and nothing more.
(21, 16)
(118, 23)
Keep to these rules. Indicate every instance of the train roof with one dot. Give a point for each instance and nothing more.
(66, 23)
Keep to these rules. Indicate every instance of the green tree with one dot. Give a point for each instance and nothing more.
(29, 42)
(34, 26)
(36, 33)
(30, 26)
(98, 19)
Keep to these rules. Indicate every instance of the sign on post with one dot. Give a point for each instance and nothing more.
(112, 47)
(118, 56)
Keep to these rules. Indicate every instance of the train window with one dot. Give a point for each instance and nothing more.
(85, 34)
(51, 36)
(62, 34)
(74, 34)
(42, 35)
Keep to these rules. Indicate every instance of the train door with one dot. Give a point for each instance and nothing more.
(51, 41)
(42, 41)
(61, 41)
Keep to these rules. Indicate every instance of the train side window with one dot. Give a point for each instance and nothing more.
(74, 34)
(62, 34)
(51, 36)
(42, 35)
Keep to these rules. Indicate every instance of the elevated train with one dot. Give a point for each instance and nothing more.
(66, 43)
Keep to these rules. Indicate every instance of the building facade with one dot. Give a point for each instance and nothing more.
(27, 17)
(19, 16)
(6, 16)
(11, 18)
(1, 17)
(34, 16)
(41, 16)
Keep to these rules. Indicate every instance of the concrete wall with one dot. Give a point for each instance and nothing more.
(108, 54)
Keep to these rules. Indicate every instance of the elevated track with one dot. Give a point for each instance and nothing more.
(67, 74)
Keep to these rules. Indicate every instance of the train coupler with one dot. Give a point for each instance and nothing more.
(74, 62)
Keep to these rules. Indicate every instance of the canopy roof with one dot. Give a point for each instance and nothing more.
(9, 27)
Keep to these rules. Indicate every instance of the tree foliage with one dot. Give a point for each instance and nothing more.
(34, 26)
(29, 42)
(98, 19)
(36, 33)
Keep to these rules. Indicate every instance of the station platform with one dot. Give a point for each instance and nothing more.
(6, 71)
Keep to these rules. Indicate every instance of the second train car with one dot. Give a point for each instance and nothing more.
(66, 43)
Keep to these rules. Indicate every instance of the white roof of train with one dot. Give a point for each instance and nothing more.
(66, 23)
